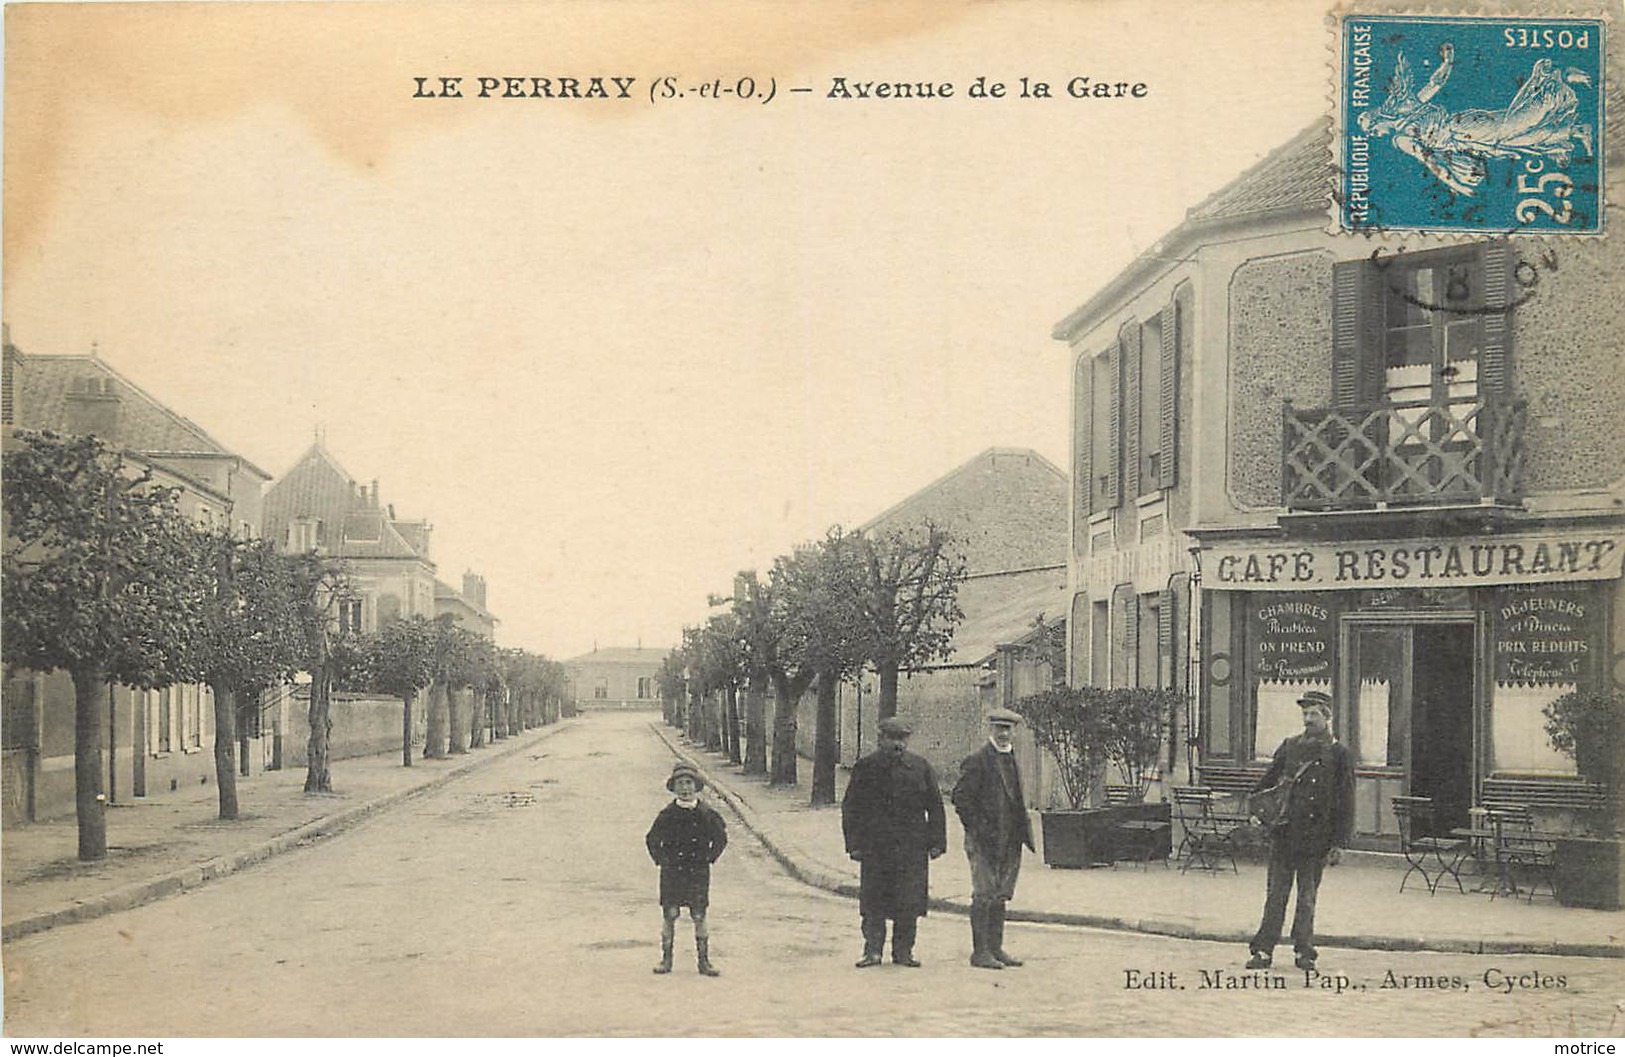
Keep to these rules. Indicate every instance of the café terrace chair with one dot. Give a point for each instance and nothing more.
(1435, 858)
(1207, 834)
(1521, 854)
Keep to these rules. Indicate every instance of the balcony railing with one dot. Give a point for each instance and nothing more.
(1402, 454)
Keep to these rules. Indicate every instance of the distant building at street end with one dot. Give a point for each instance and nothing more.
(1391, 473)
(1006, 512)
(614, 677)
(153, 740)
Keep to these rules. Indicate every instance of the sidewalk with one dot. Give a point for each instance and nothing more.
(1360, 903)
(173, 842)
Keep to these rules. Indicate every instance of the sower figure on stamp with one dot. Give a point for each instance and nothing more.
(894, 824)
(687, 837)
(989, 802)
(1316, 827)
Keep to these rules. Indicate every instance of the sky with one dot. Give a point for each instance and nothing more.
(615, 350)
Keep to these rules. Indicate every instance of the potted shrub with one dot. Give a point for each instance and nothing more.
(1132, 722)
(1084, 729)
(1589, 727)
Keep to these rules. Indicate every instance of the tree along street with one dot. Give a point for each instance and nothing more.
(519, 901)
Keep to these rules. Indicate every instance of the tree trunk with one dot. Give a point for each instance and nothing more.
(434, 738)
(786, 695)
(225, 739)
(731, 729)
(406, 729)
(756, 724)
(318, 776)
(887, 704)
(824, 741)
(457, 720)
(87, 765)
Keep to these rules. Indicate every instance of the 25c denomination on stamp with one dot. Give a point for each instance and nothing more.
(1469, 124)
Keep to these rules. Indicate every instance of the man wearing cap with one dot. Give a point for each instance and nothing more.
(894, 824)
(989, 802)
(1318, 822)
(687, 837)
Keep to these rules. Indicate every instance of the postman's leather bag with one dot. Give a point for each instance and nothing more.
(1270, 805)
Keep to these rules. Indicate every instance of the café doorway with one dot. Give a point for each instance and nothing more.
(1409, 690)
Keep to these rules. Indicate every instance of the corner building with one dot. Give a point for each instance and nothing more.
(1385, 468)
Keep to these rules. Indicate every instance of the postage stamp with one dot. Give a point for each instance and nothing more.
(1469, 124)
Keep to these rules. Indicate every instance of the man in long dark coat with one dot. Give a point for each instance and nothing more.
(894, 824)
(989, 801)
(1319, 821)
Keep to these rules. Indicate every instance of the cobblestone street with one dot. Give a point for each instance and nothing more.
(518, 901)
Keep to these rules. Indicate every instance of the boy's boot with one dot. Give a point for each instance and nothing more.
(665, 956)
(995, 938)
(702, 944)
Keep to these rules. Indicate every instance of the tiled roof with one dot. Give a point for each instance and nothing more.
(621, 655)
(987, 457)
(352, 527)
(1010, 603)
(43, 385)
(1292, 177)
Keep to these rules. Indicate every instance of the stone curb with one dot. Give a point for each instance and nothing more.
(806, 870)
(136, 893)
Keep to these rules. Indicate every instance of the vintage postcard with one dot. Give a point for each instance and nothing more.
(712, 520)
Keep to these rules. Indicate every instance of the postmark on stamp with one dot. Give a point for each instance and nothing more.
(1469, 124)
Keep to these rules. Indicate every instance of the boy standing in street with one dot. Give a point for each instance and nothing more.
(687, 837)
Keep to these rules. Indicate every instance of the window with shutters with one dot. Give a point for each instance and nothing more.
(1100, 658)
(1149, 668)
(1420, 405)
(1149, 477)
(1103, 432)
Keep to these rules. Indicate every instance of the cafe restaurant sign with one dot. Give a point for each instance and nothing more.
(1544, 558)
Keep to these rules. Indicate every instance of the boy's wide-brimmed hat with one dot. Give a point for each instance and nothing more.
(1004, 715)
(680, 770)
(1315, 699)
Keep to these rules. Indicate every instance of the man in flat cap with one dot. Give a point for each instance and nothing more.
(989, 801)
(1318, 822)
(687, 837)
(894, 824)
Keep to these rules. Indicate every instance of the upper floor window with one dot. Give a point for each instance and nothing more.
(350, 616)
(303, 535)
(645, 687)
(1421, 328)
(1126, 403)
(600, 688)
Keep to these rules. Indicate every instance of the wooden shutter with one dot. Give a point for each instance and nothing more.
(1172, 322)
(1114, 458)
(1494, 357)
(1083, 448)
(1167, 644)
(1356, 333)
(1131, 636)
(1130, 340)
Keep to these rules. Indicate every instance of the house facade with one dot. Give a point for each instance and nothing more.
(153, 740)
(1383, 469)
(1006, 512)
(614, 677)
(317, 506)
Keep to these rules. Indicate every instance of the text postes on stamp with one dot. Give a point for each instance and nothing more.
(1469, 124)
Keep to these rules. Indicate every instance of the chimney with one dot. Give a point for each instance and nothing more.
(375, 493)
(93, 407)
(474, 588)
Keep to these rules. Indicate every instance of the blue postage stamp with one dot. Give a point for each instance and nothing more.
(1469, 124)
